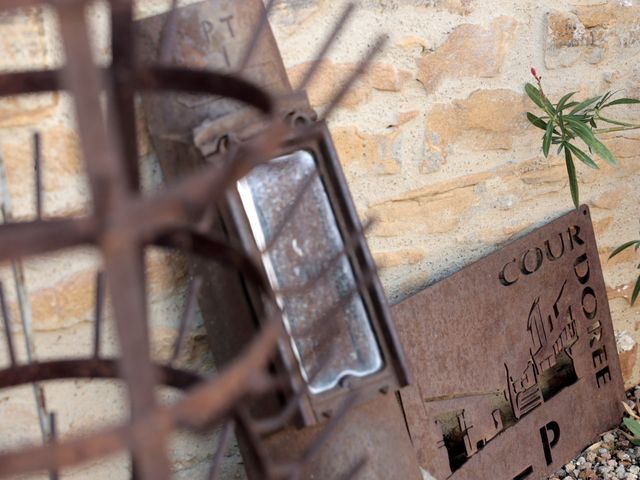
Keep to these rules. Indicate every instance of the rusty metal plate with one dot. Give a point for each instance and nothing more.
(213, 35)
(514, 357)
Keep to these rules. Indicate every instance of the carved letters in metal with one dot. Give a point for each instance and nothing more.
(514, 358)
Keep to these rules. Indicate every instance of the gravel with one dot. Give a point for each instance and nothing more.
(613, 457)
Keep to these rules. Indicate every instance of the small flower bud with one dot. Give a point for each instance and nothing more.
(534, 73)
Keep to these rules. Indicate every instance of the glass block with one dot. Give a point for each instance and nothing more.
(331, 333)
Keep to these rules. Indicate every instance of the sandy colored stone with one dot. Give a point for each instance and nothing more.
(461, 7)
(601, 226)
(166, 272)
(397, 257)
(422, 214)
(588, 2)
(628, 360)
(61, 159)
(564, 34)
(373, 153)
(330, 76)
(24, 47)
(622, 147)
(550, 172)
(27, 109)
(590, 32)
(613, 14)
(486, 120)
(565, 30)
(406, 117)
(469, 51)
(69, 302)
(610, 199)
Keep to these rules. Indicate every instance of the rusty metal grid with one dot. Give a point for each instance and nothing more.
(123, 221)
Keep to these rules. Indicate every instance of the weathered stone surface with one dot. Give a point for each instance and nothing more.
(564, 34)
(71, 300)
(23, 46)
(622, 146)
(379, 76)
(65, 304)
(373, 153)
(628, 353)
(426, 211)
(617, 20)
(469, 51)
(461, 7)
(601, 226)
(590, 31)
(458, 7)
(397, 257)
(166, 273)
(62, 171)
(610, 199)
(486, 120)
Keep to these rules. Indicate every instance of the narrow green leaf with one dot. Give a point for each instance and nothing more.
(604, 98)
(622, 101)
(561, 124)
(593, 143)
(578, 117)
(573, 181)
(534, 95)
(604, 153)
(633, 425)
(537, 121)
(636, 291)
(634, 440)
(563, 100)
(583, 105)
(583, 157)
(546, 143)
(537, 97)
(623, 247)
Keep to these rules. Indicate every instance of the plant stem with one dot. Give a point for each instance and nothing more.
(599, 131)
(616, 122)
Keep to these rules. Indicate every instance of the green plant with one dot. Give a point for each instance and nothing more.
(568, 122)
(624, 246)
(633, 425)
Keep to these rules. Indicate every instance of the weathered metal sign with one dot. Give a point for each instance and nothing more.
(514, 358)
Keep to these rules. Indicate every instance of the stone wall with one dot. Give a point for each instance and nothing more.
(434, 143)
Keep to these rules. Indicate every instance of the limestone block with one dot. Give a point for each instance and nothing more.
(565, 35)
(469, 51)
(461, 7)
(23, 46)
(486, 120)
(63, 305)
(591, 31)
(329, 76)
(429, 211)
(374, 154)
(63, 182)
(397, 257)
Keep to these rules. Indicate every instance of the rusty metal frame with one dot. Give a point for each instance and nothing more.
(314, 137)
(123, 222)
